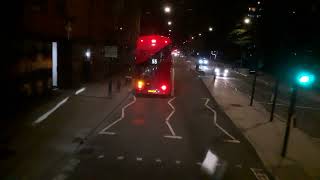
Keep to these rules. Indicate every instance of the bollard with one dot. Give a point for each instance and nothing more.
(119, 85)
(110, 87)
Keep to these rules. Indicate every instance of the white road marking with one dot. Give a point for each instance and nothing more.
(259, 174)
(172, 137)
(233, 139)
(139, 158)
(47, 114)
(108, 133)
(80, 91)
(120, 158)
(241, 73)
(172, 81)
(210, 163)
(173, 134)
(104, 131)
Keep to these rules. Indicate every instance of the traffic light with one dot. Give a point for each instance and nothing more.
(305, 79)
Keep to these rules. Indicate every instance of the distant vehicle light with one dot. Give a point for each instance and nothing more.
(166, 42)
(140, 84)
(200, 61)
(164, 87)
(141, 40)
(205, 61)
(153, 41)
(217, 70)
(226, 71)
(153, 44)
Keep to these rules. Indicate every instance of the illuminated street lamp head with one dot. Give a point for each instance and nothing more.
(88, 53)
(305, 79)
(169, 30)
(210, 29)
(167, 9)
(247, 20)
(200, 34)
(169, 23)
(192, 37)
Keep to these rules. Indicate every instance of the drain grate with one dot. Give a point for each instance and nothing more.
(236, 105)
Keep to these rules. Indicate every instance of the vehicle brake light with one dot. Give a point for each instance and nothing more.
(140, 84)
(153, 41)
(164, 87)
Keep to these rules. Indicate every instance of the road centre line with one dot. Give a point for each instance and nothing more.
(80, 91)
(233, 139)
(104, 131)
(47, 114)
(173, 134)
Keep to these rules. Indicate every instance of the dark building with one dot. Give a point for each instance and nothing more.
(78, 28)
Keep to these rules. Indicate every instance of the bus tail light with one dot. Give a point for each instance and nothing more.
(164, 87)
(140, 84)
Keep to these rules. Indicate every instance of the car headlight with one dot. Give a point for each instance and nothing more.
(200, 61)
(217, 70)
(205, 61)
(226, 71)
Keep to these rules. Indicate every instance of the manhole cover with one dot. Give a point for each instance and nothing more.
(236, 105)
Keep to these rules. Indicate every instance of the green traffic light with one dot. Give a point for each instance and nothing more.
(305, 79)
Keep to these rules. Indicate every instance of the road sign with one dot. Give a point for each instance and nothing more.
(111, 51)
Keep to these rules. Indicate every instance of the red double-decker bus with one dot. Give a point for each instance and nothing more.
(153, 65)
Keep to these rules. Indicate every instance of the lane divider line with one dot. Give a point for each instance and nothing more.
(233, 139)
(47, 114)
(173, 134)
(104, 131)
(80, 91)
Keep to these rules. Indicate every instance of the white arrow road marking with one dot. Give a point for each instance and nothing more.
(80, 91)
(173, 134)
(47, 114)
(233, 139)
(104, 131)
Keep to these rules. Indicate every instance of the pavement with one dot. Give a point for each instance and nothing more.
(50, 131)
(307, 107)
(303, 154)
(308, 100)
(187, 136)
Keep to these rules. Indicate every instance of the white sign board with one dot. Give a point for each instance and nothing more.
(111, 51)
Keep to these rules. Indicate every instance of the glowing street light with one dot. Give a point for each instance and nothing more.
(210, 29)
(305, 79)
(169, 23)
(247, 20)
(169, 30)
(200, 34)
(192, 37)
(88, 53)
(167, 9)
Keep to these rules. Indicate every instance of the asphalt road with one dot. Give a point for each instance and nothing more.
(86, 136)
(307, 106)
(164, 138)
